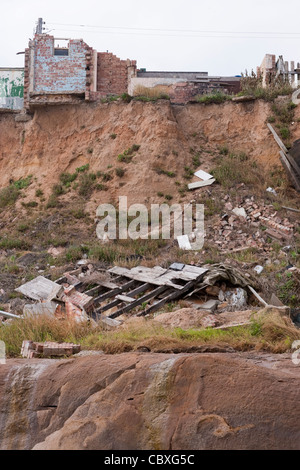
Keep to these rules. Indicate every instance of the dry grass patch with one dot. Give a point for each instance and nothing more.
(268, 331)
(158, 92)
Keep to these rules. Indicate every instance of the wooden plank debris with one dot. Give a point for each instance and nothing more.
(259, 298)
(124, 289)
(117, 300)
(289, 170)
(139, 301)
(113, 292)
(167, 299)
(277, 138)
(124, 298)
(290, 209)
(201, 184)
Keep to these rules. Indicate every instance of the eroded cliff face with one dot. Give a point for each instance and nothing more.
(151, 401)
(62, 138)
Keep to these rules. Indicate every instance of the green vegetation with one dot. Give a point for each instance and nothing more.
(58, 190)
(161, 171)
(39, 193)
(217, 97)
(30, 204)
(196, 160)
(23, 183)
(110, 99)
(13, 243)
(126, 97)
(83, 168)
(252, 85)
(120, 172)
(67, 178)
(86, 184)
(236, 168)
(188, 173)
(128, 154)
(10, 194)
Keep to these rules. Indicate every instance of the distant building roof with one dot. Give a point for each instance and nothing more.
(184, 75)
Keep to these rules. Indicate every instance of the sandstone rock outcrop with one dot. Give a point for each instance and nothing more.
(151, 401)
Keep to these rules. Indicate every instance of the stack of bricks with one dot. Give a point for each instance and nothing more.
(112, 74)
(31, 349)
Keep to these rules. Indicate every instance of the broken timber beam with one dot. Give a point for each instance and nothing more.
(289, 170)
(139, 301)
(113, 292)
(290, 209)
(277, 138)
(259, 298)
(168, 298)
(117, 300)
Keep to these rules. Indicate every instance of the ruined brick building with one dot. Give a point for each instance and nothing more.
(71, 73)
(271, 68)
(61, 71)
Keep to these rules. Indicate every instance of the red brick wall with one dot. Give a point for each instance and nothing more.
(112, 74)
(183, 92)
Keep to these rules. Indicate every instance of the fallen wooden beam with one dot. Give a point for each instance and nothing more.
(113, 292)
(117, 300)
(168, 298)
(259, 298)
(139, 301)
(290, 209)
(289, 170)
(277, 139)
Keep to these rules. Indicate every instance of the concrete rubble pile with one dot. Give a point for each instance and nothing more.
(60, 300)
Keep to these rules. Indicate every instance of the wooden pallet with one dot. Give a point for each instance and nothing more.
(130, 288)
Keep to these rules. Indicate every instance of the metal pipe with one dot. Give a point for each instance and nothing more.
(9, 315)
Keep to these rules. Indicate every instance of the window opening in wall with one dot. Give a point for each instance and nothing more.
(61, 47)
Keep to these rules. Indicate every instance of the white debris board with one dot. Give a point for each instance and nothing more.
(38, 289)
(200, 184)
(203, 175)
(184, 242)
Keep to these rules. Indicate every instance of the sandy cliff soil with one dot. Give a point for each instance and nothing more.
(62, 138)
(151, 401)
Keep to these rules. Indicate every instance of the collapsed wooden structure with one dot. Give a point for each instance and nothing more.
(115, 291)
